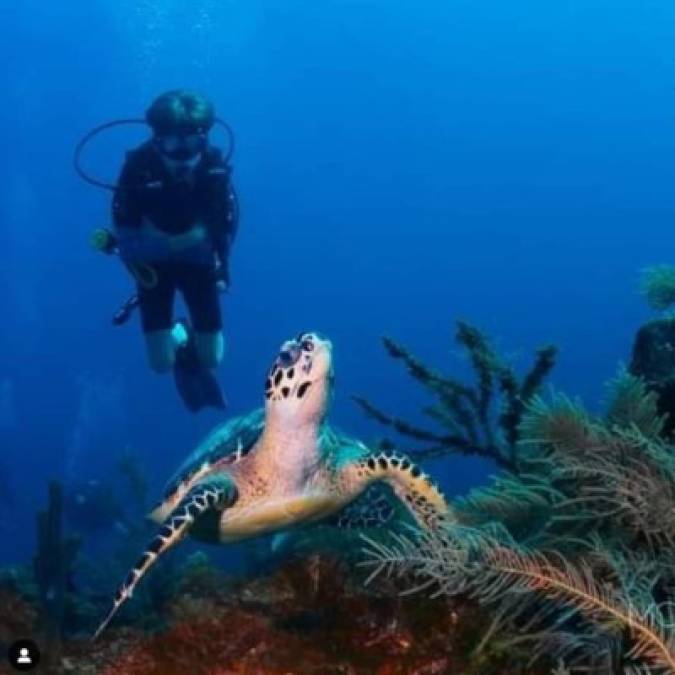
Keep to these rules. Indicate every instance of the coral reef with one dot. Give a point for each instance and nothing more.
(19, 616)
(312, 615)
(482, 419)
(574, 554)
(561, 565)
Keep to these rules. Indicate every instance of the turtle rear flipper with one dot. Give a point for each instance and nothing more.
(212, 494)
(373, 509)
(410, 484)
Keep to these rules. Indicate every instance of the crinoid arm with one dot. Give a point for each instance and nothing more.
(212, 494)
(410, 484)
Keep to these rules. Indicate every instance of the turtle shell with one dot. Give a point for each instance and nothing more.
(229, 441)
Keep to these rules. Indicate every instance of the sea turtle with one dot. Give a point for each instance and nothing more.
(279, 468)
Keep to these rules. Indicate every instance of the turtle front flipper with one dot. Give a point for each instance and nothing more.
(211, 494)
(410, 484)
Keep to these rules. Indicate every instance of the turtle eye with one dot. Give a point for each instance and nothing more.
(288, 357)
(307, 345)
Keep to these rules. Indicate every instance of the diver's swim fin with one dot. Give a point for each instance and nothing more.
(198, 388)
(196, 385)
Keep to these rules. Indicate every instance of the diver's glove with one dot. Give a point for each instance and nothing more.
(193, 237)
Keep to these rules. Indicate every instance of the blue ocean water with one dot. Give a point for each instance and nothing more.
(400, 165)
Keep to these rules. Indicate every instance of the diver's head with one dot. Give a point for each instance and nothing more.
(180, 121)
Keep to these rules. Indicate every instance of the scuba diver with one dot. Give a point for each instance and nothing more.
(175, 219)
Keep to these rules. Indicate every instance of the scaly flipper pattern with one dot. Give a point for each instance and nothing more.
(410, 484)
(218, 493)
(373, 509)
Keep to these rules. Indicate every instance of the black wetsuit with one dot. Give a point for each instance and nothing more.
(149, 191)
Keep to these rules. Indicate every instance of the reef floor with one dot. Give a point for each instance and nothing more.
(308, 617)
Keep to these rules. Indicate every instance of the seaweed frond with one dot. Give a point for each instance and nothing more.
(561, 669)
(575, 586)
(632, 404)
(573, 553)
(517, 502)
(568, 610)
(657, 285)
(561, 424)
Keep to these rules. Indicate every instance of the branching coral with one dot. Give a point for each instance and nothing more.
(483, 419)
(53, 563)
(573, 554)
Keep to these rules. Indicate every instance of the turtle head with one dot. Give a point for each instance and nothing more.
(298, 384)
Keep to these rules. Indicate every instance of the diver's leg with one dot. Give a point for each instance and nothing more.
(195, 380)
(161, 348)
(210, 348)
(203, 300)
(215, 493)
(156, 306)
(410, 484)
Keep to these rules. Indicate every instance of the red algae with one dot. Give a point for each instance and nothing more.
(18, 616)
(309, 617)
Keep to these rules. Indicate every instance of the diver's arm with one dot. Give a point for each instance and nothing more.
(138, 239)
(222, 216)
(146, 244)
(193, 237)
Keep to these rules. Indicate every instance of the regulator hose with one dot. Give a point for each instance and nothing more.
(113, 187)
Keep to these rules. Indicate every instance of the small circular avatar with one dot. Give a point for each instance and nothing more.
(280, 468)
(24, 655)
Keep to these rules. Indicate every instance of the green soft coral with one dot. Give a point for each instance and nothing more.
(573, 555)
(658, 286)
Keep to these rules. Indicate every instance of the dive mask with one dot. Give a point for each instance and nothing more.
(181, 146)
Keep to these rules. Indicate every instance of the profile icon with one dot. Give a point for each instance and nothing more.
(23, 655)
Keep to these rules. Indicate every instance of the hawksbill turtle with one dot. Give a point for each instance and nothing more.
(280, 468)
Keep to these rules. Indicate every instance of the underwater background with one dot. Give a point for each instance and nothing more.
(399, 166)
